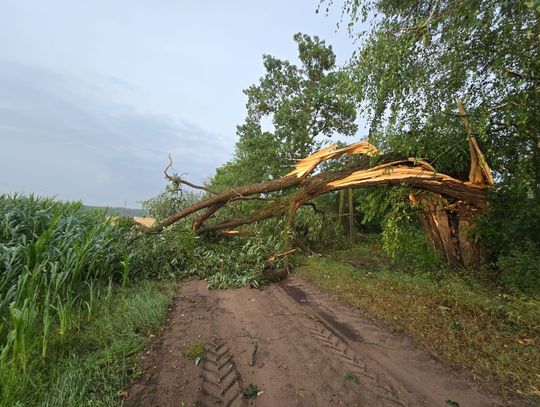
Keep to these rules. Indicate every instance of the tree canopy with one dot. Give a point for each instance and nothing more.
(287, 110)
(415, 61)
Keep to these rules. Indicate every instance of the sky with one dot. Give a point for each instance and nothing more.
(95, 94)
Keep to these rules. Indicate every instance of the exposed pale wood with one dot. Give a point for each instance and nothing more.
(276, 256)
(306, 165)
(480, 172)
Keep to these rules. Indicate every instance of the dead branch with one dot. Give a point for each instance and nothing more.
(276, 256)
(177, 181)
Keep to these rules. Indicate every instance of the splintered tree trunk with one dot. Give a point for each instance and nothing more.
(449, 228)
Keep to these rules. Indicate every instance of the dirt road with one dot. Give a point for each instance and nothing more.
(299, 347)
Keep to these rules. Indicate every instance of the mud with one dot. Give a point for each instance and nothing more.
(310, 351)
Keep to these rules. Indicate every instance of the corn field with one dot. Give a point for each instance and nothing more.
(57, 260)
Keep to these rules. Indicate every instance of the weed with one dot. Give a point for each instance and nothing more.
(251, 392)
(194, 351)
(352, 378)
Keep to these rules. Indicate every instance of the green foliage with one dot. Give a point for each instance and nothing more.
(512, 221)
(318, 229)
(520, 269)
(51, 256)
(510, 228)
(251, 392)
(194, 351)
(415, 58)
(168, 253)
(352, 378)
(302, 102)
(168, 202)
(402, 239)
(163, 255)
(236, 263)
(408, 246)
(91, 367)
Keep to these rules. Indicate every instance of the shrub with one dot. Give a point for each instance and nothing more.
(512, 220)
(168, 202)
(520, 269)
(319, 229)
(402, 239)
(408, 246)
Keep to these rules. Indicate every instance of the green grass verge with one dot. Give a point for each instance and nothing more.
(90, 366)
(460, 318)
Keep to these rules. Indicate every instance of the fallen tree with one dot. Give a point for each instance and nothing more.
(448, 206)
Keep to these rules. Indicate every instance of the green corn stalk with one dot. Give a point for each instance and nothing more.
(125, 268)
(46, 327)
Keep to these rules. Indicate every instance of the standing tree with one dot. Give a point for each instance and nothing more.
(302, 102)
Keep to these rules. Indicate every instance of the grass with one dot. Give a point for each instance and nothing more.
(352, 378)
(90, 366)
(458, 316)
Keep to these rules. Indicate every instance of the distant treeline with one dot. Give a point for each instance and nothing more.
(113, 211)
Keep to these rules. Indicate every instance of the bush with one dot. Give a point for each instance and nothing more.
(520, 269)
(512, 221)
(318, 230)
(169, 202)
(402, 239)
(409, 248)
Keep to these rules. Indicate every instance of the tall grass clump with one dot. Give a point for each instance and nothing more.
(54, 257)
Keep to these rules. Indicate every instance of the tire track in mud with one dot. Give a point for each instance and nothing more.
(378, 387)
(308, 343)
(221, 381)
(336, 336)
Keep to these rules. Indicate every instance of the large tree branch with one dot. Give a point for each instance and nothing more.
(376, 171)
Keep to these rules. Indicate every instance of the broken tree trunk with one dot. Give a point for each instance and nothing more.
(448, 226)
(375, 169)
